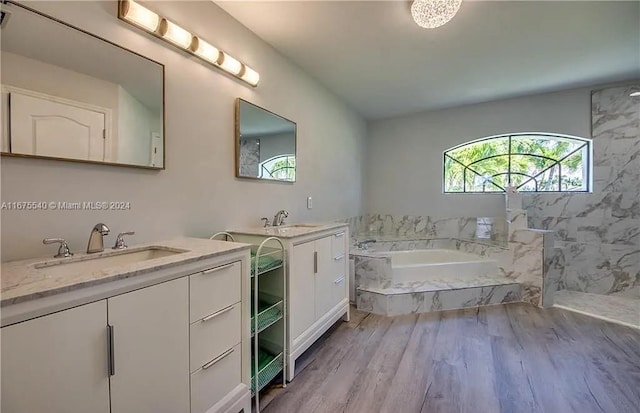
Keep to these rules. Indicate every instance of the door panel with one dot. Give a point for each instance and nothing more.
(57, 363)
(151, 349)
(48, 128)
(301, 287)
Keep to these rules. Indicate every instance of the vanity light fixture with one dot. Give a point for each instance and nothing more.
(143, 18)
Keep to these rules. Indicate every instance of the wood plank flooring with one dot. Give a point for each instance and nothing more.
(506, 358)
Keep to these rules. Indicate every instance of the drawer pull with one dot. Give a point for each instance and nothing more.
(339, 257)
(217, 359)
(214, 315)
(340, 235)
(338, 280)
(217, 269)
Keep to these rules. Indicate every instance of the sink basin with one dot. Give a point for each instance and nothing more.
(101, 261)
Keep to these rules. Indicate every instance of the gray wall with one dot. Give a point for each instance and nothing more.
(197, 194)
(404, 154)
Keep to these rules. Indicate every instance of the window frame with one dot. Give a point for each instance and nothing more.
(261, 167)
(586, 143)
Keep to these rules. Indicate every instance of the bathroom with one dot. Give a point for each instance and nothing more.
(369, 146)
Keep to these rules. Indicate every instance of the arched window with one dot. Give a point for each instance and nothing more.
(281, 167)
(529, 162)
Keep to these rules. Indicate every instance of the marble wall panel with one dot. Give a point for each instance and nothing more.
(598, 234)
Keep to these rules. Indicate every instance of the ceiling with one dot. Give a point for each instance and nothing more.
(377, 59)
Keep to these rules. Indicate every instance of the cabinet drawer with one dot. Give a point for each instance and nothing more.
(339, 288)
(338, 244)
(209, 385)
(214, 334)
(214, 289)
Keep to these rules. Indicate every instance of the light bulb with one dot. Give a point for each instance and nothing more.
(205, 50)
(138, 15)
(250, 76)
(175, 34)
(230, 64)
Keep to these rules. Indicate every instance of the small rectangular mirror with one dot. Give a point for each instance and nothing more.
(265, 144)
(70, 95)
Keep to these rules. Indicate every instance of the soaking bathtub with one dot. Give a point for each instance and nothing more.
(424, 265)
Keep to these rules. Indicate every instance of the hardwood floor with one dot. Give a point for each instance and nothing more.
(507, 358)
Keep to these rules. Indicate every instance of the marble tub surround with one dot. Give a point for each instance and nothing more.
(416, 227)
(598, 234)
(436, 300)
(22, 281)
(389, 243)
(621, 310)
(526, 260)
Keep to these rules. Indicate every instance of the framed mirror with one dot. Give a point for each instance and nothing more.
(70, 95)
(265, 144)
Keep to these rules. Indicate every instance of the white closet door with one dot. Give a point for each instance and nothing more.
(47, 128)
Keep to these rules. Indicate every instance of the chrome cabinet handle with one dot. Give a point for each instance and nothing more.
(340, 235)
(339, 257)
(111, 350)
(214, 315)
(338, 280)
(217, 269)
(217, 359)
(315, 262)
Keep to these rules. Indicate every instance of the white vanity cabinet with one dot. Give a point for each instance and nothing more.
(178, 343)
(317, 277)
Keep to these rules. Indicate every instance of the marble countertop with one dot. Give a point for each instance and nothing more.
(30, 279)
(290, 230)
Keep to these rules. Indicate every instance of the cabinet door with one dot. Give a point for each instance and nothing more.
(302, 288)
(324, 277)
(151, 349)
(57, 363)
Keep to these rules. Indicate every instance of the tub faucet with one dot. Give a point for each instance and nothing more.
(364, 244)
(96, 243)
(278, 219)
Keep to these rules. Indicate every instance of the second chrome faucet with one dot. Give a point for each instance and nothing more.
(278, 219)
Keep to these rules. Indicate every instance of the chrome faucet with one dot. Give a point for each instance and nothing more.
(364, 244)
(278, 219)
(96, 243)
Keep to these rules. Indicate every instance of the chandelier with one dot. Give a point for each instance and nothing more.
(434, 13)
